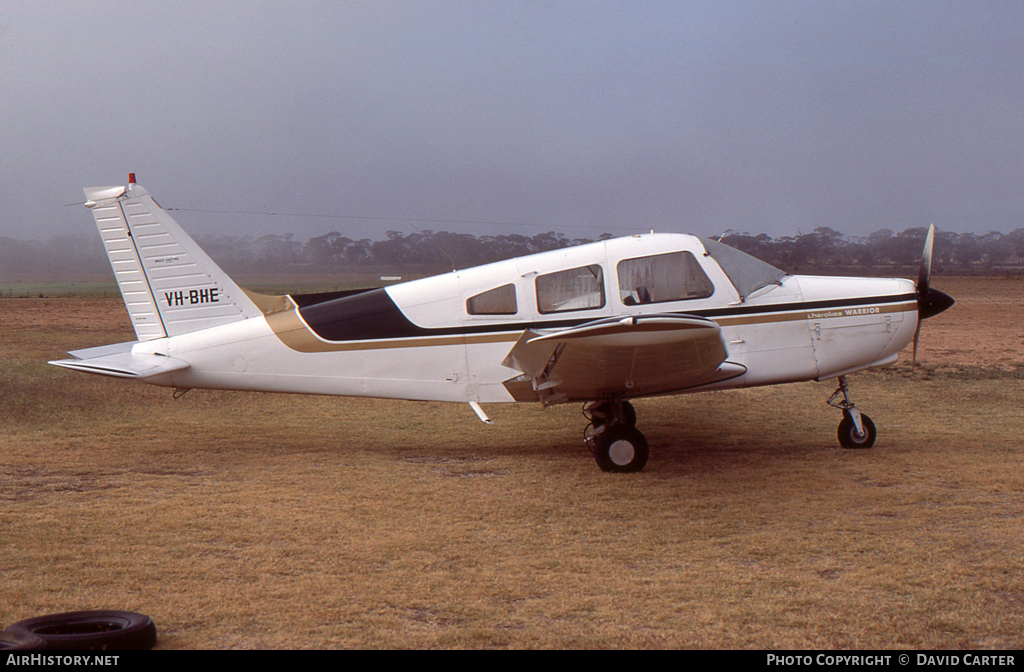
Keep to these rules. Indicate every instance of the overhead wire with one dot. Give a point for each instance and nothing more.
(409, 220)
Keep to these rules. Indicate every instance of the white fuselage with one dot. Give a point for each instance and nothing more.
(801, 328)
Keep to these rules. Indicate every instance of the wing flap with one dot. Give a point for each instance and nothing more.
(629, 357)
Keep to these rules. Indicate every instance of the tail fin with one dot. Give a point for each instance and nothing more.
(169, 285)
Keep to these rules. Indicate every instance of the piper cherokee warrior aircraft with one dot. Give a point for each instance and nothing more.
(597, 324)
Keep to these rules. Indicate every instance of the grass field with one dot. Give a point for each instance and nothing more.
(258, 521)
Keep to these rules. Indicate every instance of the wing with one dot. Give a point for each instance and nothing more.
(627, 357)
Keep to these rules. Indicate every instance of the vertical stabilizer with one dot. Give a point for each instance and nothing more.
(169, 285)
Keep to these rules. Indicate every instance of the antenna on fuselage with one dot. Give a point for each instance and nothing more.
(437, 246)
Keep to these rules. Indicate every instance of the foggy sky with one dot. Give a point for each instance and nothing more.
(581, 117)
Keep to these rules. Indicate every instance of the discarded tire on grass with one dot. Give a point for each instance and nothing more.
(10, 641)
(90, 630)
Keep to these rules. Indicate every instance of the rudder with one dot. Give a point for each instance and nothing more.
(170, 286)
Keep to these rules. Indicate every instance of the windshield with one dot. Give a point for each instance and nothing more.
(748, 274)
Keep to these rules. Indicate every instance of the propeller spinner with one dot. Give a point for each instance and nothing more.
(930, 302)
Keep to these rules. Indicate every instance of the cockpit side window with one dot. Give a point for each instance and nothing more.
(574, 289)
(497, 301)
(675, 276)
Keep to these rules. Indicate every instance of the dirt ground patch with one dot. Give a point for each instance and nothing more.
(984, 328)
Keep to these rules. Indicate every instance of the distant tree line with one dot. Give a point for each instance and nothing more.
(823, 250)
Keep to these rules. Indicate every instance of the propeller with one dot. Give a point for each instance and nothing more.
(930, 302)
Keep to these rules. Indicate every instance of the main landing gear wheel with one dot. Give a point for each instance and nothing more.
(621, 449)
(848, 437)
(613, 438)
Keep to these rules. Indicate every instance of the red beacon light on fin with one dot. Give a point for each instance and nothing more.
(131, 178)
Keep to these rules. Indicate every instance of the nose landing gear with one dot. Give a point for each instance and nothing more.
(856, 430)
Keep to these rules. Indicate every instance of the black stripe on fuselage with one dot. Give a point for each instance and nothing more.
(373, 315)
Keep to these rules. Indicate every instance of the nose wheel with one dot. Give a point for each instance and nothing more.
(618, 446)
(849, 437)
(856, 430)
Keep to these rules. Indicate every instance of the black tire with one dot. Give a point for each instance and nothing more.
(90, 630)
(10, 641)
(621, 450)
(848, 432)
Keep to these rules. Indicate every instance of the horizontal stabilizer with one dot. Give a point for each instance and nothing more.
(103, 350)
(124, 365)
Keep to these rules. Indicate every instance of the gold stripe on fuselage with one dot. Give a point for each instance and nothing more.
(827, 314)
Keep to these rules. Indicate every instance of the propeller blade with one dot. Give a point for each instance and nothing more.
(917, 337)
(929, 301)
(925, 274)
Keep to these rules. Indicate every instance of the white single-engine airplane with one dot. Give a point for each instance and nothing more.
(601, 323)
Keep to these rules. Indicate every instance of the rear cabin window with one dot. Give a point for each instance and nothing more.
(497, 301)
(575, 289)
(676, 276)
